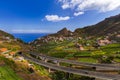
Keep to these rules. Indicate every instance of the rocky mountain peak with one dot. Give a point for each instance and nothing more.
(64, 31)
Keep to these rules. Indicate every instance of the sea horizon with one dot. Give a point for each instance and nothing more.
(29, 37)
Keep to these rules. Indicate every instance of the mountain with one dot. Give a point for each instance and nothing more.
(108, 26)
(63, 32)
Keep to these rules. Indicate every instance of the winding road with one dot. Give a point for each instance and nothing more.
(74, 71)
(105, 66)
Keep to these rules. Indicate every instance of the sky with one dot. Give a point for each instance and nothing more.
(49, 16)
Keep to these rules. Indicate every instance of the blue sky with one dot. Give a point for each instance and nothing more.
(46, 16)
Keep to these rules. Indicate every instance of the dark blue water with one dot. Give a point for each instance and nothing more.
(28, 37)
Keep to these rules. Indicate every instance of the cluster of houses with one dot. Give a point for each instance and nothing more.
(47, 39)
(6, 39)
(105, 41)
(55, 39)
(5, 51)
(10, 54)
(100, 42)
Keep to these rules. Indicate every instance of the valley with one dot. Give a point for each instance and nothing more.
(85, 54)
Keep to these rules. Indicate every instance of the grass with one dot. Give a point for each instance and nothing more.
(82, 53)
(42, 70)
(88, 60)
(59, 54)
(6, 73)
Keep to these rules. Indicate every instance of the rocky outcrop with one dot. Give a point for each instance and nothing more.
(65, 32)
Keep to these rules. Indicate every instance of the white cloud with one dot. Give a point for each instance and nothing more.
(65, 6)
(29, 31)
(56, 18)
(78, 13)
(84, 5)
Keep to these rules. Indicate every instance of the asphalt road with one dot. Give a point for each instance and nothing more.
(99, 75)
(105, 66)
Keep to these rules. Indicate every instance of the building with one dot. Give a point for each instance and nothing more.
(3, 49)
(104, 42)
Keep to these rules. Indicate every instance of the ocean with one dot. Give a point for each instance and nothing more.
(28, 37)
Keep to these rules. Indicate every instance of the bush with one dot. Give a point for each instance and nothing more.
(108, 59)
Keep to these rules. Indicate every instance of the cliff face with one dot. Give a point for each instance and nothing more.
(108, 26)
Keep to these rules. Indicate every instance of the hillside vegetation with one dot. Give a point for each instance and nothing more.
(15, 67)
(83, 42)
(99, 43)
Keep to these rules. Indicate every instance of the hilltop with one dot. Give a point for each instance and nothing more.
(62, 32)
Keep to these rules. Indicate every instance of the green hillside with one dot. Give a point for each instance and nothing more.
(6, 73)
(14, 67)
(81, 44)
